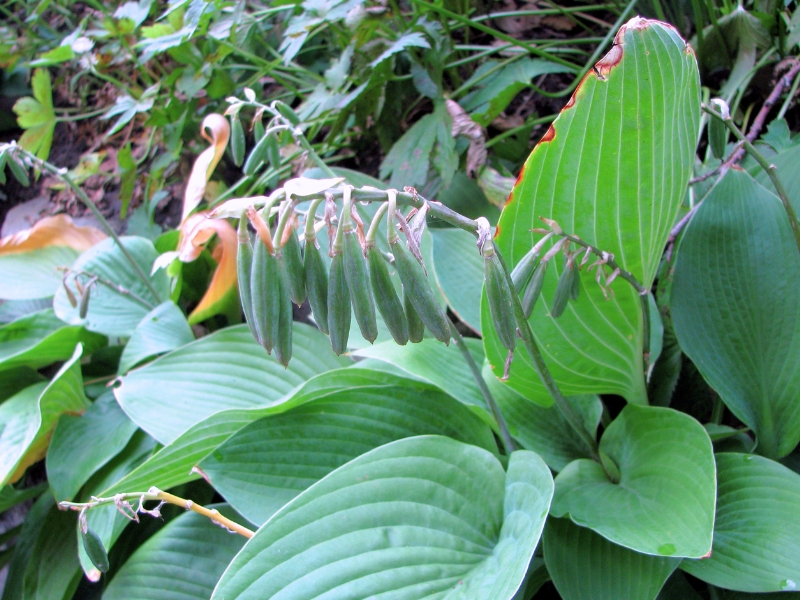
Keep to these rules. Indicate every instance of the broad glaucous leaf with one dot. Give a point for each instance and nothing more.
(734, 307)
(458, 269)
(11, 310)
(757, 530)
(664, 501)
(82, 444)
(227, 369)
(266, 464)
(40, 339)
(111, 312)
(612, 169)
(424, 516)
(586, 566)
(786, 162)
(182, 561)
(27, 419)
(544, 429)
(10, 496)
(163, 329)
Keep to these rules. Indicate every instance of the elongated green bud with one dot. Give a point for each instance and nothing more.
(265, 295)
(95, 549)
(359, 286)
(416, 328)
(534, 289)
(498, 293)
(524, 269)
(83, 306)
(244, 266)
(257, 155)
(575, 290)
(293, 262)
(316, 284)
(386, 298)
(563, 288)
(417, 287)
(237, 140)
(283, 332)
(717, 131)
(338, 305)
(287, 113)
(258, 129)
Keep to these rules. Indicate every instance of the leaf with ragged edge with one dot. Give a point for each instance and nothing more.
(30, 259)
(27, 419)
(586, 566)
(734, 308)
(227, 369)
(458, 269)
(163, 329)
(183, 561)
(40, 339)
(757, 532)
(82, 444)
(36, 116)
(544, 429)
(368, 528)
(267, 463)
(664, 501)
(612, 169)
(111, 312)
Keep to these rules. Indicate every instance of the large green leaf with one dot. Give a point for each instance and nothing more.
(757, 532)
(24, 545)
(27, 419)
(612, 169)
(458, 269)
(82, 444)
(34, 274)
(183, 561)
(227, 369)
(544, 429)
(735, 305)
(40, 339)
(163, 329)
(266, 464)
(664, 501)
(586, 566)
(786, 162)
(111, 312)
(421, 517)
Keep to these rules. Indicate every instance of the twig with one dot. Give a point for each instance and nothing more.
(122, 502)
(771, 170)
(505, 435)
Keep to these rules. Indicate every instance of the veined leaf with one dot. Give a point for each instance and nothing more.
(586, 566)
(735, 307)
(367, 529)
(163, 329)
(36, 116)
(664, 501)
(458, 268)
(757, 531)
(227, 369)
(612, 169)
(27, 419)
(267, 463)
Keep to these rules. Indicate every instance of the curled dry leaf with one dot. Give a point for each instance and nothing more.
(204, 165)
(58, 230)
(464, 125)
(302, 186)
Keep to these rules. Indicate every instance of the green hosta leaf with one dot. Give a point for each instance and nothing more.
(268, 463)
(586, 566)
(34, 274)
(421, 517)
(23, 547)
(36, 116)
(27, 419)
(183, 561)
(734, 307)
(543, 429)
(111, 312)
(408, 161)
(40, 339)
(612, 169)
(10, 496)
(664, 501)
(81, 445)
(163, 329)
(458, 269)
(11, 310)
(757, 532)
(227, 369)
(443, 366)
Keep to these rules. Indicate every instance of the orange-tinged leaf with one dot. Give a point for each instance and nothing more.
(195, 232)
(204, 165)
(58, 230)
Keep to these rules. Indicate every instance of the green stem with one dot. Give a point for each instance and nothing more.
(53, 170)
(505, 435)
(771, 170)
(310, 232)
